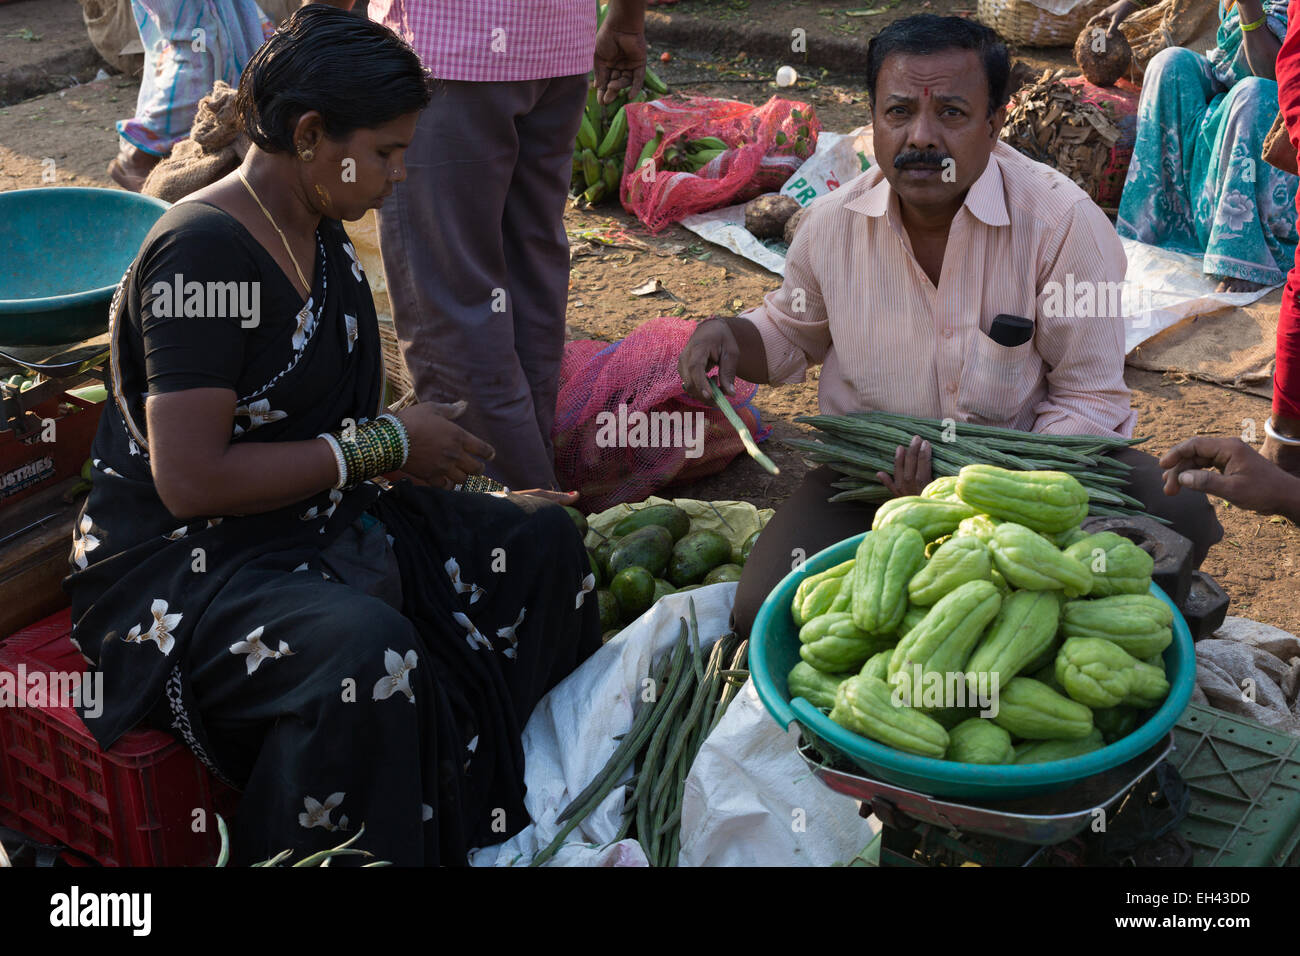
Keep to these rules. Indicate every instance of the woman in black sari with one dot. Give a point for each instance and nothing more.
(342, 652)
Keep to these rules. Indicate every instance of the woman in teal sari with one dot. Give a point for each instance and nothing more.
(1196, 183)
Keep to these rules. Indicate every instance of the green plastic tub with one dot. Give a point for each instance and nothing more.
(63, 249)
(774, 649)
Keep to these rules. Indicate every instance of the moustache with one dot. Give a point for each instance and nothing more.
(921, 157)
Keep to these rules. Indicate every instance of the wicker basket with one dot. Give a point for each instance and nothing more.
(396, 375)
(1021, 23)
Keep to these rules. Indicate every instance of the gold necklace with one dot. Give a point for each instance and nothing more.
(292, 258)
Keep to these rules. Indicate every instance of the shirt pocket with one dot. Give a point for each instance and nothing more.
(997, 381)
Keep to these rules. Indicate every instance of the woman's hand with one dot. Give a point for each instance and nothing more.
(1114, 15)
(911, 469)
(442, 453)
(546, 494)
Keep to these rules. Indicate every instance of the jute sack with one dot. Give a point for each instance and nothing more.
(214, 147)
(112, 29)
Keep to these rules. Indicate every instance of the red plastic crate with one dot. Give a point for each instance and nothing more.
(132, 805)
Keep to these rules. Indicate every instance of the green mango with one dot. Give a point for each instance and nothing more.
(695, 555)
(662, 587)
(677, 521)
(634, 589)
(649, 547)
(601, 553)
(610, 615)
(748, 546)
(723, 572)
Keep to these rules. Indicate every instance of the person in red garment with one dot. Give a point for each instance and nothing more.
(1282, 441)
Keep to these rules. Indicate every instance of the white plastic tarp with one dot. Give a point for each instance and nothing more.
(749, 798)
(1162, 288)
(838, 158)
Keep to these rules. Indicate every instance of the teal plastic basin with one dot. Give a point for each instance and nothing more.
(774, 650)
(63, 250)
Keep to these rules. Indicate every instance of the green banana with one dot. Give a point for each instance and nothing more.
(591, 170)
(616, 136)
(613, 173)
(698, 161)
(654, 84)
(706, 142)
(594, 194)
(587, 134)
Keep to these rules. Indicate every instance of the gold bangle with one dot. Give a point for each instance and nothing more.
(1247, 27)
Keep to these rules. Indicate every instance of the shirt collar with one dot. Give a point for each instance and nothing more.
(985, 199)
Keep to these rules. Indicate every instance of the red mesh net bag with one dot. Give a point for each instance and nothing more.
(769, 143)
(623, 426)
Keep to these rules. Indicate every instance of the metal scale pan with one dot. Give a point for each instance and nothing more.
(1041, 820)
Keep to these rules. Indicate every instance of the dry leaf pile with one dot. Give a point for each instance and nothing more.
(1050, 123)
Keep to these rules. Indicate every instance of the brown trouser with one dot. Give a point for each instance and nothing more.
(477, 261)
(807, 523)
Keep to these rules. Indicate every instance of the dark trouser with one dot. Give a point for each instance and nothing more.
(477, 261)
(807, 523)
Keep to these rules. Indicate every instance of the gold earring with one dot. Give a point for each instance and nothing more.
(307, 154)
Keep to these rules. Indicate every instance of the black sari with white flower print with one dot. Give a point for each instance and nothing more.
(330, 703)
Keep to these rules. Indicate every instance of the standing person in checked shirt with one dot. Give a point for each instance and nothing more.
(473, 241)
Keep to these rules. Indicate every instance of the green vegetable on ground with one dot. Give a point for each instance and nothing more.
(610, 613)
(695, 555)
(723, 572)
(649, 547)
(677, 521)
(634, 588)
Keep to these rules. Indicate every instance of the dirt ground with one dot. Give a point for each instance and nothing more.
(1256, 562)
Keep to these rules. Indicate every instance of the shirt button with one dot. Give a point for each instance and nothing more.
(947, 333)
(952, 389)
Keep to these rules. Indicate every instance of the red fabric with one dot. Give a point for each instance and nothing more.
(1286, 376)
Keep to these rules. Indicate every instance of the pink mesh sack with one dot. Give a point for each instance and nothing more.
(624, 428)
(767, 147)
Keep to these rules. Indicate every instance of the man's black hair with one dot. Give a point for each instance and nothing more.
(926, 33)
(356, 73)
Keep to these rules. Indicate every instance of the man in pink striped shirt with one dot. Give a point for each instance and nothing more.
(474, 247)
(957, 279)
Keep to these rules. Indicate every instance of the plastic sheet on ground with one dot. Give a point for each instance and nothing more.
(749, 797)
(838, 158)
(1253, 670)
(1162, 288)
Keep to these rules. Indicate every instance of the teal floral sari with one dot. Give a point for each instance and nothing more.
(1196, 183)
